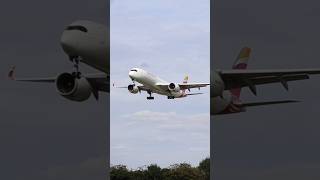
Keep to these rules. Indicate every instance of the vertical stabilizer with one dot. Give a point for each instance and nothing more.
(242, 59)
(185, 81)
(240, 63)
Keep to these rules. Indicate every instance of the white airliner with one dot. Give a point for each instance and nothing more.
(226, 84)
(153, 84)
(87, 42)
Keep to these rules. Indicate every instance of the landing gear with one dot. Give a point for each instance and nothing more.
(75, 60)
(170, 97)
(134, 83)
(150, 95)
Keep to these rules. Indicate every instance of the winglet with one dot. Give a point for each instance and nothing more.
(11, 74)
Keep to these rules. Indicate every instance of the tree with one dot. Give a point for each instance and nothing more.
(154, 172)
(183, 171)
(204, 167)
(119, 172)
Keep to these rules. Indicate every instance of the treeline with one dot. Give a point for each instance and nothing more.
(181, 171)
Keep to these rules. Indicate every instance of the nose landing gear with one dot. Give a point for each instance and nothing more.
(75, 60)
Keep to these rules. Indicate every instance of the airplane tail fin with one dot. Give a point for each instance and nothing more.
(185, 81)
(241, 63)
(242, 59)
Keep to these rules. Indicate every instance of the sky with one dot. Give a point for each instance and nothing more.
(43, 135)
(169, 39)
(271, 142)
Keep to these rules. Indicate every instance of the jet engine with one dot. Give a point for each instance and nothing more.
(133, 89)
(174, 87)
(72, 88)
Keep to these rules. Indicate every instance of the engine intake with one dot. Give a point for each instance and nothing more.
(174, 87)
(70, 87)
(133, 89)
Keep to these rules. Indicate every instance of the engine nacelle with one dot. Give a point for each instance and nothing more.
(133, 89)
(73, 88)
(217, 87)
(174, 87)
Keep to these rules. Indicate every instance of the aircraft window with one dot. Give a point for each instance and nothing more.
(80, 28)
(134, 70)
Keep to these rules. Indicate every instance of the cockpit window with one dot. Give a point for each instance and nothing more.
(80, 28)
(134, 70)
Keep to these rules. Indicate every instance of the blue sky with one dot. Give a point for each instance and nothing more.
(170, 39)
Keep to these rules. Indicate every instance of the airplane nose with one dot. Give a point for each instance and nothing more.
(131, 74)
(67, 43)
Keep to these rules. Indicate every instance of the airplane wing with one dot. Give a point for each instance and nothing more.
(140, 87)
(250, 78)
(192, 85)
(184, 85)
(99, 81)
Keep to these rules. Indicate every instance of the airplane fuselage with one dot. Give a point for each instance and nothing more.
(221, 100)
(151, 82)
(88, 41)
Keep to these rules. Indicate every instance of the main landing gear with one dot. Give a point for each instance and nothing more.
(150, 95)
(170, 97)
(75, 60)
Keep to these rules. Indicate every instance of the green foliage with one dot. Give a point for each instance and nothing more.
(120, 172)
(204, 167)
(181, 171)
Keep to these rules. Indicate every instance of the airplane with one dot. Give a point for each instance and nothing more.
(153, 84)
(226, 84)
(84, 42)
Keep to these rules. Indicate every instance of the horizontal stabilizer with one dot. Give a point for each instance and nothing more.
(125, 87)
(268, 103)
(190, 94)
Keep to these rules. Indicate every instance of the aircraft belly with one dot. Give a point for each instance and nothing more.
(95, 55)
